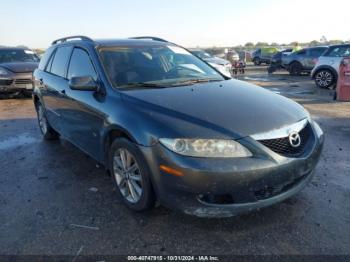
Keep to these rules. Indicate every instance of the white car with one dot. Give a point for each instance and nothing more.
(222, 65)
(326, 69)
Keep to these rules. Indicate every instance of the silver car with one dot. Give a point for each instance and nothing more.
(326, 69)
(223, 65)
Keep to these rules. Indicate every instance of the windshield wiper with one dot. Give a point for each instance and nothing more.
(142, 84)
(196, 81)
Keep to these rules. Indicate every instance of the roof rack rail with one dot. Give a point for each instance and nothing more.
(149, 38)
(64, 39)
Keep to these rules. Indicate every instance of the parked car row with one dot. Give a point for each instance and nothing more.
(321, 62)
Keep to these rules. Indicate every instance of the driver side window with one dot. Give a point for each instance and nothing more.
(81, 65)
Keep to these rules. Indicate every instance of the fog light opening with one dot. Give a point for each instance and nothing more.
(222, 199)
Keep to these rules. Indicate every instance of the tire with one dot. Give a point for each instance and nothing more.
(295, 69)
(27, 94)
(271, 69)
(325, 78)
(134, 187)
(257, 61)
(47, 131)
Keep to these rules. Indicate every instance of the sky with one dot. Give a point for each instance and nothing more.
(191, 23)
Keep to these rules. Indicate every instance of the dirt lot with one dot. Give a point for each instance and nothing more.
(55, 200)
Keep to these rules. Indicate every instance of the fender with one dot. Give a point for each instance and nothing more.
(330, 68)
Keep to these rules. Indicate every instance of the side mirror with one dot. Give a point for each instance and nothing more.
(83, 83)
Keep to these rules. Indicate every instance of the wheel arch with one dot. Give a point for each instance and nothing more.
(295, 62)
(325, 67)
(110, 135)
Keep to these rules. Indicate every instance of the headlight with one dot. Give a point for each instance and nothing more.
(206, 147)
(3, 72)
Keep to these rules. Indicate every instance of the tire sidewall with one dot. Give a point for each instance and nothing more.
(147, 197)
(50, 133)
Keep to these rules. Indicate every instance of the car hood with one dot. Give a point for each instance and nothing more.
(20, 67)
(217, 60)
(230, 108)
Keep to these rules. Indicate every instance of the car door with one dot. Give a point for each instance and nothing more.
(84, 119)
(312, 56)
(54, 85)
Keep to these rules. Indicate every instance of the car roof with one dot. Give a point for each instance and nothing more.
(129, 42)
(339, 45)
(13, 48)
(144, 41)
(313, 47)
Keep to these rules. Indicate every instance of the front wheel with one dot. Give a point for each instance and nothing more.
(325, 79)
(131, 175)
(48, 132)
(295, 69)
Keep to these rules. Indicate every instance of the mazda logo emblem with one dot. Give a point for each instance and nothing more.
(294, 139)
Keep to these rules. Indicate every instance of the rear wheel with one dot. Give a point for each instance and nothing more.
(325, 79)
(131, 175)
(295, 69)
(48, 132)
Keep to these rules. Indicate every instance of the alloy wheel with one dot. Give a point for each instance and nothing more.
(324, 79)
(127, 175)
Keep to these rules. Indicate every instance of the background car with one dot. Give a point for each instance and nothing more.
(303, 60)
(276, 60)
(223, 65)
(263, 55)
(16, 70)
(326, 69)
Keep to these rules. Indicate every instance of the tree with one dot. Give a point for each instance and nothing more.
(261, 44)
(249, 44)
(314, 43)
(335, 42)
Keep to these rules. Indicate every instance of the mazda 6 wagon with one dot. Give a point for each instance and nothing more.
(171, 128)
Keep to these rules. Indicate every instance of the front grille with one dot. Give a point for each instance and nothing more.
(23, 81)
(5, 82)
(284, 148)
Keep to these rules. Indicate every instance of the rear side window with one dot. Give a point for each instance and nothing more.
(317, 51)
(301, 52)
(81, 65)
(60, 61)
(340, 51)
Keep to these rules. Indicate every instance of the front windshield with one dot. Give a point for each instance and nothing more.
(154, 64)
(17, 55)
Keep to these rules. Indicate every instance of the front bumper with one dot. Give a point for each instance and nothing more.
(16, 82)
(227, 187)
